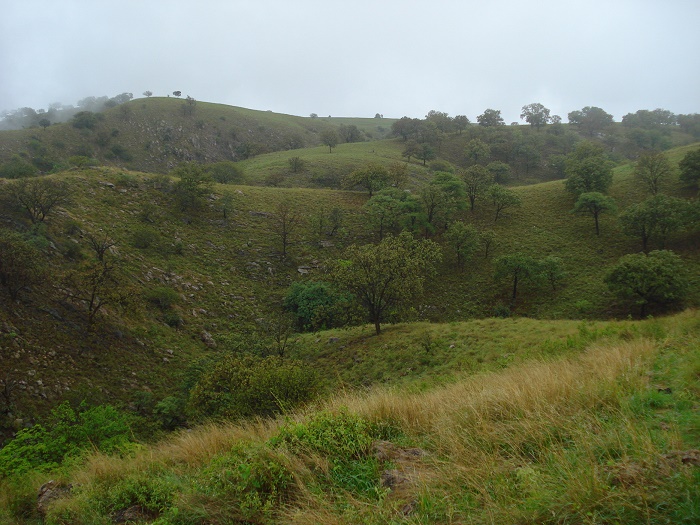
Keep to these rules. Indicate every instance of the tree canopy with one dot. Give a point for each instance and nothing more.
(491, 117)
(372, 177)
(386, 277)
(594, 203)
(655, 278)
(588, 169)
(653, 169)
(690, 168)
(536, 115)
(591, 120)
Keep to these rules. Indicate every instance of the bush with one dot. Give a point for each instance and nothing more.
(144, 238)
(226, 172)
(246, 386)
(252, 479)
(86, 120)
(67, 434)
(17, 168)
(345, 440)
(173, 319)
(152, 494)
(162, 296)
(340, 436)
(442, 165)
(316, 305)
(81, 161)
(21, 264)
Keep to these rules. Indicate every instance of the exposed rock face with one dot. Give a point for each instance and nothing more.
(50, 491)
(133, 514)
(401, 480)
(207, 339)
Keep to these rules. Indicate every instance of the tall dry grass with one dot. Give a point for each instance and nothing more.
(537, 443)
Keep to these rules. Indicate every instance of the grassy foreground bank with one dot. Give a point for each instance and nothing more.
(605, 434)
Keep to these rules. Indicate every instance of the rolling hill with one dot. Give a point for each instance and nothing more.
(190, 286)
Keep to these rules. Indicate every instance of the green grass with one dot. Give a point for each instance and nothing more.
(324, 168)
(228, 273)
(585, 435)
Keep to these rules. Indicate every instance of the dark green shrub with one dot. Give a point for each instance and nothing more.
(162, 296)
(72, 250)
(173, 319)
(501, 310)
(245, 386)
(17, 168)
(226, 172)
(144, 237)
(316, 305)
(85, 120)
(71, 227)
(21, 263)
(170, 412)
(442, 165)
(126, 180)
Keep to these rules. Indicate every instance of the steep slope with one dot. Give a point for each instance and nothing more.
(156, 134)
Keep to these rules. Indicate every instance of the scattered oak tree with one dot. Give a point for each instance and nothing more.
(284, 223)
(653, 169)
(329, 137)
(412, 149)
(516, 268)
(643, 279)
(690, 168)
(461, 122)
(21, 265)
(655, 218)
(463, 239)
(502, 198)
(391, 210)
(425, 152)
(373, 177)
(317, 305)
(594, 203)
(588, 169)
(477, 180)
(477, 151)
(387, 277)
(536, 115)
(39, 196)
(441, 198)
(491, 117)
(398, 174)
(94, 285)
(194, 185)
(591, 120)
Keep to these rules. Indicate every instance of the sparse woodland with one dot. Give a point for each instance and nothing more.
(211, 314)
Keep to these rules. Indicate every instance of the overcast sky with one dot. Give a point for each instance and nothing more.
(357, 57)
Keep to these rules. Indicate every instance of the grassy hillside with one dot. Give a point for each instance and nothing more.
(530, 419)
(600, 429)
(156, 134)
(224, 277)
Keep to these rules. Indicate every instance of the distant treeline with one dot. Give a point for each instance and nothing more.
(57, 112)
